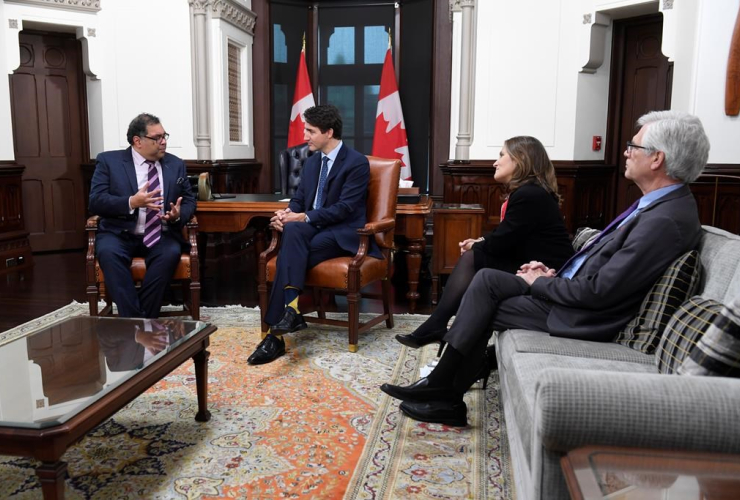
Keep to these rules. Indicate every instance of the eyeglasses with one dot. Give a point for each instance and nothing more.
(631, 145)
(158, 138)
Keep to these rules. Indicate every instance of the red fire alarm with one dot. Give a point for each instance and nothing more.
(596, 145)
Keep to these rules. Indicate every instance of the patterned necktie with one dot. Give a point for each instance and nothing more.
(608, 229)
(153, 227)
(322, 181)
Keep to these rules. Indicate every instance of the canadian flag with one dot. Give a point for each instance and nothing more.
(302, 100)
(390, 139)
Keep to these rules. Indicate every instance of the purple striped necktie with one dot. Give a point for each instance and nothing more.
(153, 227)
(608, 229)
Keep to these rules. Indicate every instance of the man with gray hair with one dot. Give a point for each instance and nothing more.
(597, 291)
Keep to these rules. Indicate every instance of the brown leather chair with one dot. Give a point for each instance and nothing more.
(348, 275)
(187, 272)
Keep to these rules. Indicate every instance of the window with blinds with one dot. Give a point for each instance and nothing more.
(235, 96)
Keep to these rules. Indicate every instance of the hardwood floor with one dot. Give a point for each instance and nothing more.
(56, 279)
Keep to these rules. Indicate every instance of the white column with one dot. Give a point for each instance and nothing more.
(199, 13)
(467, 81)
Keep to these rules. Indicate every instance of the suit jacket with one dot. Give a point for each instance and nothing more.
(345, 198)
(114, 181)
(620, 270)
(533, 229)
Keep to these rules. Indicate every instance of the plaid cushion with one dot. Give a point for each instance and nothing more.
(583, 237)
(718, 351)
(684, 330)
(678, 283)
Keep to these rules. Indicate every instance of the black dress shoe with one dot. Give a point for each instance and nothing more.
(419, 391)
(271, 348)
(416, 341)
(453, 413)
(291, 321)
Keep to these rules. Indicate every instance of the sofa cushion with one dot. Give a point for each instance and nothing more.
(512, 342)
(679, 282)
(684, 330)
(525, 368)
(718, 251)
(718, 351)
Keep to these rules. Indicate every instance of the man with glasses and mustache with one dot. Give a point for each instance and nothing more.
(143, 198)
(597, 291)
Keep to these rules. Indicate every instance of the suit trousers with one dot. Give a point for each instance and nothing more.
(115, 253)
(302, 247)
(495, 300)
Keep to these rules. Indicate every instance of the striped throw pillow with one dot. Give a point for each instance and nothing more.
(684, 330)
(584, 236)
(678, 283)
(718, 351)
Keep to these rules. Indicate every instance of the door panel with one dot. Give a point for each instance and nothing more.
(645, 87)
(50, 132)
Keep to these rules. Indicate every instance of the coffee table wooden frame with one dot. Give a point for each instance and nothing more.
(49, 444)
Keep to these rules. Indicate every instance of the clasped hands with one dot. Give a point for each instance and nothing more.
(282, 217)
(468, 244)
(153, 201)
(533, 270)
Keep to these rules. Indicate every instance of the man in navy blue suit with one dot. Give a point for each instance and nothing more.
(143, 198)
(320, 223)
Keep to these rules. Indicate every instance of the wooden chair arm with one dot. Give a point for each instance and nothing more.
(272, 249)
(377, 227)
(92, 223)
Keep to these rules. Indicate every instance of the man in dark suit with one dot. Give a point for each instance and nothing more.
(320, 223)
(143, 198)
(598, 290)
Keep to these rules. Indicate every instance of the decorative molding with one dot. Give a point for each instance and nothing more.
(235, 12)
(597, 42)
(91, 32)
(83, 5)
(200, 6)
(587, 18)
(13, 24)
(454, 7)
(667, 4)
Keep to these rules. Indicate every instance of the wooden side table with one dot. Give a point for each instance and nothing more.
(453, 223)
(600, 472)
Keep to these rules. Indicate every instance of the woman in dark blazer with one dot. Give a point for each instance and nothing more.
(531, 228)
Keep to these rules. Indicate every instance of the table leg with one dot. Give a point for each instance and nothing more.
(435, 289)
(201, 383)
(415, 250)
(52, 476)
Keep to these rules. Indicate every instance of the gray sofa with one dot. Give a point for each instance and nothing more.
(562, 394)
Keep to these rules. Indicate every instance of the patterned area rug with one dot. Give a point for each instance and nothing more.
(312, 424)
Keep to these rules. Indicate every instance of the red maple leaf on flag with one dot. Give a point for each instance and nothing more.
(390, 139)
(302, 100)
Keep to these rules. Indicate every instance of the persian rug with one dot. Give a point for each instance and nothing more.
(312, 424)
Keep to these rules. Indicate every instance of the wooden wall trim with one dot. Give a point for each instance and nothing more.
(262, 94)
(9, 167)
(441, 95)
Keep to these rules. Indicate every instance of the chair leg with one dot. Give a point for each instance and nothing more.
(353, 306)
(195, 300)
(318, 300)
(92, 298)
(264, 295)
(386, 285)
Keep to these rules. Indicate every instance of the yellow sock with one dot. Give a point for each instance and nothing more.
(294, 304)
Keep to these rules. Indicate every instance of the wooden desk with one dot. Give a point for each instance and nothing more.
(453, 223)
(600, 472)
(231, 215)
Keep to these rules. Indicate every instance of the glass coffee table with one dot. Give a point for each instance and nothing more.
(63, 380)
(603, 472)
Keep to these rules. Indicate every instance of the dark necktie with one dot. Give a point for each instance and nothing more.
(322, 181)
(153, 227)
(608, 229)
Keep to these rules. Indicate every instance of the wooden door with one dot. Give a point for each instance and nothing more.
(643, 78)
(50, 138)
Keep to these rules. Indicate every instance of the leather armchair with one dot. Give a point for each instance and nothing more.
(291, 166)
(349, 275)
(187, 273)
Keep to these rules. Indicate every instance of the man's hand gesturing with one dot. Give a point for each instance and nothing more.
(145, 198)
